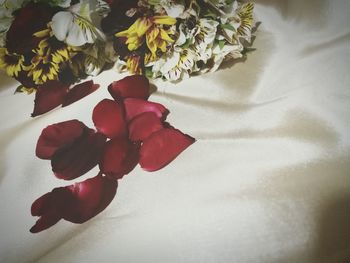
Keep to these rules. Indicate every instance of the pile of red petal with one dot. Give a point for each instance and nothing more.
(130, 131)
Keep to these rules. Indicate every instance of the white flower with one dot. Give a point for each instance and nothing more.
(12, 5)
(175, 66)
(228, 50)
(172, 8)
(75, 26)
(204, 35)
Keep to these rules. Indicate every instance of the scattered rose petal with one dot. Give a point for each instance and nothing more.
(134, 107)
(136, 86)
(56, 136)
(144, 125)
(76, 160)
(49, 96)
(75, 203)
(137, 133)
(162, 147)
(79, 91)
(108, 117)
(119, 158)
(49, 207)
(91, 197)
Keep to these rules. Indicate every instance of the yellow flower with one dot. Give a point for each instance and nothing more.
(150, 29)
(26, 90)
(50, 46)
(43, 69)
(11, 63)
(133, 65)
(149, 58)
(247, 20)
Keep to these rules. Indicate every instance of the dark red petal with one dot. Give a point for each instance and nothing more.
(108, 117)
(49, 96)
(56, 136)
(134, 107)
(136, 86)
(75, 203)
(45, 222)
(79, 91)
(162, 147)
(143, 126)
(28, 19)
(80, 157)
(48, 207)
(120, 156)
(90, 198)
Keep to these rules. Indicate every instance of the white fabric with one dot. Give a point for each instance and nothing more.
(268, 179)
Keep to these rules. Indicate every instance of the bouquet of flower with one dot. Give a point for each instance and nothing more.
(50, 45)
(172, 39)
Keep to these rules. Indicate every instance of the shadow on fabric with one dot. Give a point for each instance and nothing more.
(291, 10)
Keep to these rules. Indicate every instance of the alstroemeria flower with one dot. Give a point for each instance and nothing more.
(75, 203)
(204, 34)
(137, 134)
(176, 66)
(75, 26)
(180, 63)
(151, 28)
(172, 8)
(245, 13)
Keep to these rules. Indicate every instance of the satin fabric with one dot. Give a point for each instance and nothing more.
(268, 179)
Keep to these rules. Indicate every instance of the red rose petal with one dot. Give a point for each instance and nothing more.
(120, 156)
(79, 158)
(144, 125)
(56, 136)
(75, 203)
(79, 91)
(48, 207)
(162, 147)
(134, 107)
(108, 117)
(136, 86)
(91, 197)
(49, 96)
(50, 219)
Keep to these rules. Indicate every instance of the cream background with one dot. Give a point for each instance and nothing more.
(267, 181)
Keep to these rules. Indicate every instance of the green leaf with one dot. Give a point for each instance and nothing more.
(148, 72)
(19, 89)
(228, 26)
(221, 43)
(186, 44)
